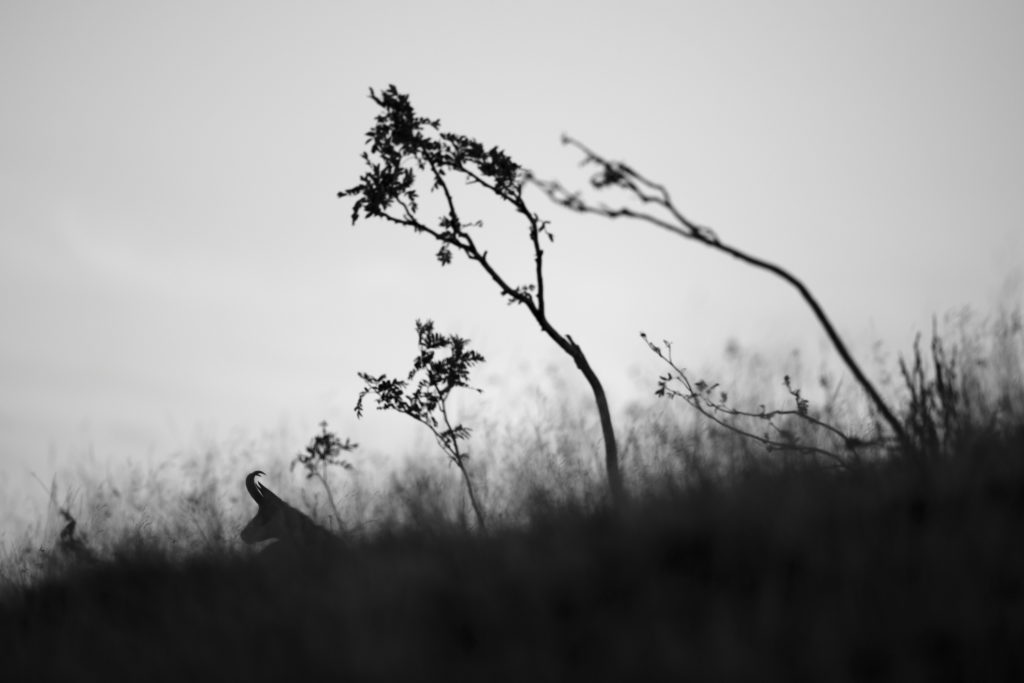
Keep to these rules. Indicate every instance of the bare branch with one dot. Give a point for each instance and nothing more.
(616, 174)
(700, 396)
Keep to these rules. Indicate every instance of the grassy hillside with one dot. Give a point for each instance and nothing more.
(728, 563)
(879, 573)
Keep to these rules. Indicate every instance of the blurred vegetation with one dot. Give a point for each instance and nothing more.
(731, 561)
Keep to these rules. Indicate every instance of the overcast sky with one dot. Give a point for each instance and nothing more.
(174, 260)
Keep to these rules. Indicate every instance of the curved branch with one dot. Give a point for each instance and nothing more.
(620, 175)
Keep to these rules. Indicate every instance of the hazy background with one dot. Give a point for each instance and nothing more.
(176, 270)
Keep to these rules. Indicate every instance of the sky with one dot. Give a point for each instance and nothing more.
(176, 266)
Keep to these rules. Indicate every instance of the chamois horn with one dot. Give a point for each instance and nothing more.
(255, 490)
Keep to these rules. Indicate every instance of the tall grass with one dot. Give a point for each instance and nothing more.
(727, 563)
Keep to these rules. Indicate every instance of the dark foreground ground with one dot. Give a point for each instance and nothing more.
(877, 574)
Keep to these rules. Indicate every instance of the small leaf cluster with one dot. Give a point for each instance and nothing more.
(408, 152)
(322, 450)
(802, 404)
(401, 144)
(443, 365)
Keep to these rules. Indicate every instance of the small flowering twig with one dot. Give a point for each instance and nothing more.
(713, 403)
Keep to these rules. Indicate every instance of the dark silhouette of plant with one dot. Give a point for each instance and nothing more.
(324, 450)
(404, 147)
(938, 413)
(657, 208)
(713, 403)
(442, 365)
(71, 545)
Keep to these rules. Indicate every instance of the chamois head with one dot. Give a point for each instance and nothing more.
(262, 527)
(277, 520)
